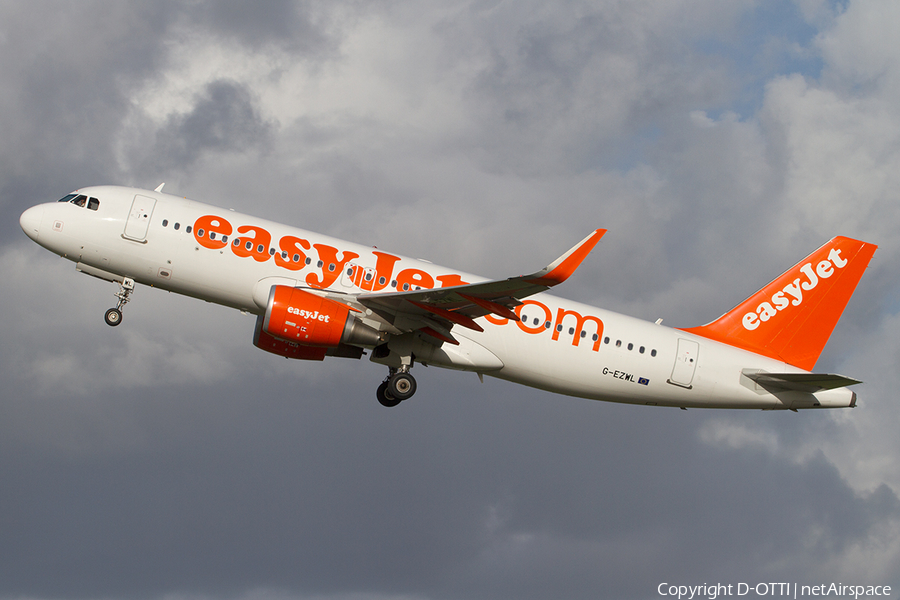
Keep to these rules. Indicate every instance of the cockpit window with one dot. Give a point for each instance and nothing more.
(81, 200)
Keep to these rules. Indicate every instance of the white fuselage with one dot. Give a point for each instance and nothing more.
(559, 345)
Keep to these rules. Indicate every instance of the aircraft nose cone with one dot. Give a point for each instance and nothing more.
(30, 221)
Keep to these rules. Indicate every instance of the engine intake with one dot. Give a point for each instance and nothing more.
(303, 318)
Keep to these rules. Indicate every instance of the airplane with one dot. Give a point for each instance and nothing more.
(315, 296)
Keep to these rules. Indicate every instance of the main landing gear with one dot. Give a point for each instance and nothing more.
(114, 315)
(400, 385)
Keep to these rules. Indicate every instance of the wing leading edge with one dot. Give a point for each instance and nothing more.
(435, 311)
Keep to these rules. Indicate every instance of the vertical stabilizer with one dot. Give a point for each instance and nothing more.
(792, 318)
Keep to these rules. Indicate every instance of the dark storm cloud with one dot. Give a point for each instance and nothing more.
(67, 72)
(482, 492)
(299, 26)
(70, 70)
(168, 457)
(224, 118)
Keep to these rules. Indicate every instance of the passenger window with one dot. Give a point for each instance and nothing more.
(653, 353)
(630, 346)
(93, 204)
(176, 226)
(641, 349)
(165, 222)
(187, 229)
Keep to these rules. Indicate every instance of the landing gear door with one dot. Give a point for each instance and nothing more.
(139, 218)
(685, 363)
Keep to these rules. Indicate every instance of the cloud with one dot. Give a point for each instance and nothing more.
(169, 458)
(223, 119)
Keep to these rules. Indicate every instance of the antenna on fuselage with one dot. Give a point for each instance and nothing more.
(159, 189)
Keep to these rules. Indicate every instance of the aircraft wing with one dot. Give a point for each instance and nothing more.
(435, 311)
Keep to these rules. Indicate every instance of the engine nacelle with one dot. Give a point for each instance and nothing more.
(297, 316)
(270, 343)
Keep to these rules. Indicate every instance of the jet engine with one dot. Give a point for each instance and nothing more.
(301, 318)
(272, 344)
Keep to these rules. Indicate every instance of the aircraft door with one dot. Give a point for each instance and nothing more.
(685, 363)
(347, 275)
(139, 218)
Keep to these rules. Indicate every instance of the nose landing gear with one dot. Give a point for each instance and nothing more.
(400, 385)
(114, 315)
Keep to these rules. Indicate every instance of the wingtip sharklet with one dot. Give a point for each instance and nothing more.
(563, 267)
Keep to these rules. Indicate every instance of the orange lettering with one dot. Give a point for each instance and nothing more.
(331, 266)
(451, 280)
(409, 279)
(293, 246)
(536, 328)
(207, 228)
(259, 243)
(384, 271)
(496, 320)
(562, 313)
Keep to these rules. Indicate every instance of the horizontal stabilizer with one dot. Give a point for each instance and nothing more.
(802, 382)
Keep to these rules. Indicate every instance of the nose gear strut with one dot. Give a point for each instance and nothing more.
(114, 315)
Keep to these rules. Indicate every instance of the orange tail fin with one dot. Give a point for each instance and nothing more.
(792, 318)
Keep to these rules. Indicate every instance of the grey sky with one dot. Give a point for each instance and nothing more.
(718, 143)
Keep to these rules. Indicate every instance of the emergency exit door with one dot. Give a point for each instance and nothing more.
(685, 363)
